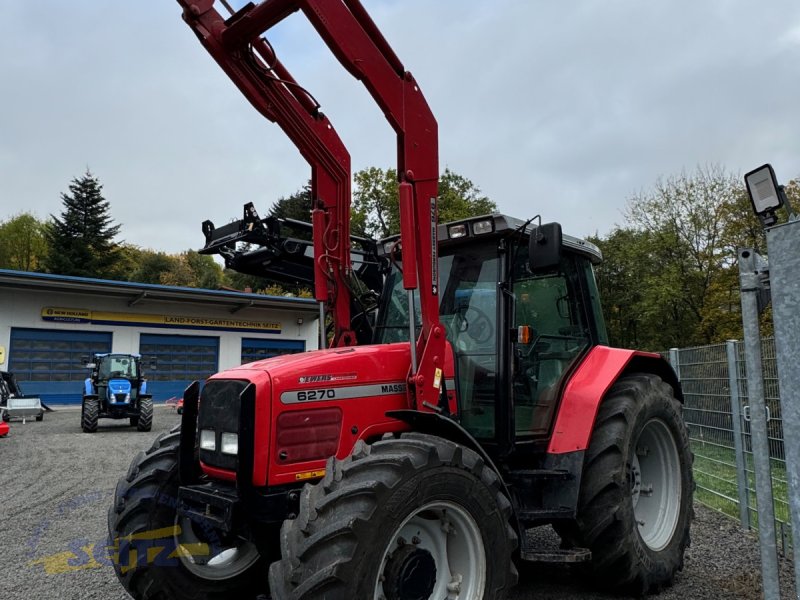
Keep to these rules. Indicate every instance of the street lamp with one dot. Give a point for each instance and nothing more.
(766, 195)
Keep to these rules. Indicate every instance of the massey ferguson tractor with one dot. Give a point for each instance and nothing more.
(477, 399)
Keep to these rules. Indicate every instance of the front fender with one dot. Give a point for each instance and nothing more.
(587, 387)
(88, 387)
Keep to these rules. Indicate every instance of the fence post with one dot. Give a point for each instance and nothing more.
(750, 266)
(736, 419)
(784, 270)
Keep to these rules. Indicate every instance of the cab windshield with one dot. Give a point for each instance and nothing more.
(468, 310)
(118, 366)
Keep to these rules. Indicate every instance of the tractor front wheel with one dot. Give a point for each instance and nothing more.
(159, 555)
(415, 517)
(90, 412)
(635, 504)
(145, 419)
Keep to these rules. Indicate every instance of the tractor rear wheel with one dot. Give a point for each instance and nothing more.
(159, 555)
(145, 419)
(635, 504)
(90, 412)
(415, 517)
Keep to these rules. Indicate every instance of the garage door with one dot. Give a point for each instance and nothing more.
(182, 359)
(48, 362)
(256, 349)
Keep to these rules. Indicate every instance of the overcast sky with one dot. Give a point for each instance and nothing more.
(564, 108)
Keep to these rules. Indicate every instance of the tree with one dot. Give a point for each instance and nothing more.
(375, 200)
(82, 240)
(670, 276)
(23, 244)
(296, 206)
(192, 269)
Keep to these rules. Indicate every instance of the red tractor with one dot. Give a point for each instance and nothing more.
(409, 459)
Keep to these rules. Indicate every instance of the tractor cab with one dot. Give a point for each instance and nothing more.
(518, 315)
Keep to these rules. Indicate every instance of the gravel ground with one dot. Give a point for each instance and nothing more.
(56, 484)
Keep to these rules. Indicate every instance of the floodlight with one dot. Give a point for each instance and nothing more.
(765, 194)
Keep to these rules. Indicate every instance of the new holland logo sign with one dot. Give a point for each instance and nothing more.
(77, 315)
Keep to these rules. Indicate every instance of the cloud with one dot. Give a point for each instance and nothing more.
(564, 109)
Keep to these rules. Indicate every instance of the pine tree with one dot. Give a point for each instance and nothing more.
(82, 240)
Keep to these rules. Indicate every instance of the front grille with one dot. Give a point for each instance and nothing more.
(219, 412)
(119, 397)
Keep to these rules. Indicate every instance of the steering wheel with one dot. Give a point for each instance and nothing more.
(475, 323)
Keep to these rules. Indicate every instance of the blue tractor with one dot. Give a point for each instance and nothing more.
(116, 389)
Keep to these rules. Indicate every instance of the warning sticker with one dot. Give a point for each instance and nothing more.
(437, 379)
(309, 475)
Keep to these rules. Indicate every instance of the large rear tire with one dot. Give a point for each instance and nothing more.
(635, 504)
(415, 517)
(90, 412)
(144, 422)
(160, 556)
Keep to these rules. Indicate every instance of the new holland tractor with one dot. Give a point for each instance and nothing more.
(116, 389)
(477, 399)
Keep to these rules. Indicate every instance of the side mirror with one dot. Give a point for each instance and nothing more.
(85, 359)
(153, 363)
(544, 247)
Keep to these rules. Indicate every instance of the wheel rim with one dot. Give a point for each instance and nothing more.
(655, 480)
(213, 561)
(437, 552)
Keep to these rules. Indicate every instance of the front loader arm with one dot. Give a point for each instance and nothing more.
(281, 250)
(236, 44)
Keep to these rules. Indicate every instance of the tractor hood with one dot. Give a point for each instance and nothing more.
(308, 407)
(336, 367)
(119, 390)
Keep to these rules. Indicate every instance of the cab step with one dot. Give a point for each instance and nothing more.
(568, 556)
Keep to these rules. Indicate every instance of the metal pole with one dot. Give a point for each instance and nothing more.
(323, 339)
(750, 286)
(412, 332)
(736, 419)
(784, 276)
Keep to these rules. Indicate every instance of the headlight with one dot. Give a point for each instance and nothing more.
(457, 231)
(479, 227)
(208, 439)
(229, 443)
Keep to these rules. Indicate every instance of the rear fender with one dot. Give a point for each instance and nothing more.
(588, 386)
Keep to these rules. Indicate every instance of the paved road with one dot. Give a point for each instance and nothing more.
(56, 485)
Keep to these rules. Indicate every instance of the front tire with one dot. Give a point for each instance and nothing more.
(144, 422)
(415, 517)
(635, 504)
(190, 563)
(90, 412)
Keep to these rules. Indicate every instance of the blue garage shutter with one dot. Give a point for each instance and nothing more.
(182, 359)
(48, 362)
(257, 349)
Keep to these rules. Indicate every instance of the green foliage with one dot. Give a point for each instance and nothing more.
(23, 245)
(81, 242)
(296, 206)
(188, 269)
(375, 200)
(670, 276)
